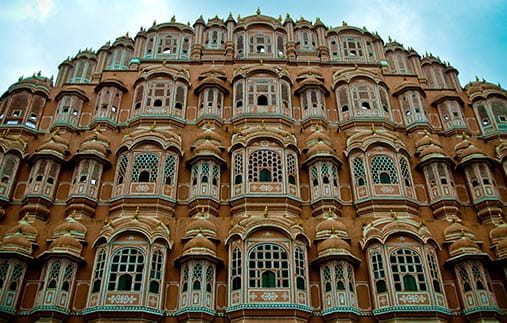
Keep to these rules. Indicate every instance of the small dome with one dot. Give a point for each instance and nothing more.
(55, 145)
(24, 228)
(203, 226)
(463, 246)
(66, 241)
(199, 245)
(320, 148)
(502, 245)
(95, 143)
(424, 141)
(329, 227)
(432, 150)
(498, 232)
(207, 147)
(333, 245)
(72, 226)
(16, 241)
(318, 135)
(456, 230)
(209, 134)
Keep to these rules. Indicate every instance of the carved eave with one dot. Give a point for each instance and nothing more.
(475, 158)
(348, 256)
(250, 22)
(435, 157)
(482, 256)
(10, 143)
(72, 90)
(150, 227)
(382, 228)
(247, 136)
(212, 82)
(173, 72)
(245, 227)
(249, 70)
(207, 156)
(61, 253)
(365, 139)
(408, 86)
(447, 97)
(348, 74)
(160, 135)
(203, 256)
(322, 157)
(111, 82)
(311, 83)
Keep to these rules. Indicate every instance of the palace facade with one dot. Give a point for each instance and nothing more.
(253, 170)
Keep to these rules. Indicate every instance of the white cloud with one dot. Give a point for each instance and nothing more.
(39, 10)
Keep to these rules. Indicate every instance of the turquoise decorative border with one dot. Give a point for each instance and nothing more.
(258, 306)
(341, 309)
(391, 309)
(105, 308)
(483, 309)
(199, 309)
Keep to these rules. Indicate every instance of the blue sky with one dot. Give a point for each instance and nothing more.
(40, 34)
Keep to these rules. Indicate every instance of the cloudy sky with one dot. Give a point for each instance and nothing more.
(40, 34)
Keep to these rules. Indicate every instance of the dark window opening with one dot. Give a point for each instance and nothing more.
(268, 279)
(466, 287)
(52, 284)
(144, 176)
(300, 283)
(236, 283)
(204, 179)
(325, 180)
(157, 103)
(409, 283)
(208, 288)
(340, 286)
(385, 178)
(328, 287)
(381, 286)
(96, 286)
(360, 181)
(238, 179)
(196, 285)
(125, 282)
(365, 106)
(262, 100)
(65, 286)
(315, 182)
(168, 181)
(345, 108)
(265, 175)
(178, 106)
(239, 104)
(50, 180)
(154, 286)
(292, 180)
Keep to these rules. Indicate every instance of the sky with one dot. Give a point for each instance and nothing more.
(37, 35)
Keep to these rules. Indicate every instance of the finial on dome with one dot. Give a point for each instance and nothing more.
(279, 18)
(389, 39)
(173, 19)
(261, 61)
(394, 215)
(266, 211)
(153, 125)
(344, 23)
(330, 213)
(136, 213)
(203, 212)
(263, 126)
(373, 130)
(258, 11)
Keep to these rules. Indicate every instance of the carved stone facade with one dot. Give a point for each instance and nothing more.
(253, 170)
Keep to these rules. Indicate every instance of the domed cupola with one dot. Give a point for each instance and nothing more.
(20, 240)
(95, 144)
(55, 146)
(201, 224)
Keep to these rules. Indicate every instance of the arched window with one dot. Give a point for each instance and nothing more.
(379, 274)
(359, 171)
(197, 277)
(169, 170)
(383, 170)
(299, 258)
(407, 270)
(268, 262)
(265, 166)
(98, 272)
(122, 168)
(127, 270)
(156, 271)
(145, 168)
(238, 169)
(236, 271)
